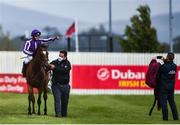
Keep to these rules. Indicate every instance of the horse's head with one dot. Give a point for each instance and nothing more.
(41, 54)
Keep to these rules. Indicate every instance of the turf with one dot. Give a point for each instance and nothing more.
(86, 109)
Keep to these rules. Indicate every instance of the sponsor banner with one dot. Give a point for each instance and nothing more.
(112, 77)
(13, 83)
(91, 77)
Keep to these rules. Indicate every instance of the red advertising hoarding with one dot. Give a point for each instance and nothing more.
(12, 83)
(91, 77)
(112, 77)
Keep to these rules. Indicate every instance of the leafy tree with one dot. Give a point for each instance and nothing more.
(1, 32)
(141, 36)
(6, 44)
(165, 47)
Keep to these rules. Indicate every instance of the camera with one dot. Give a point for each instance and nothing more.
(159, 57)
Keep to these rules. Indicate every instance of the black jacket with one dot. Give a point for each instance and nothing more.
(167, 74)
(61, 72)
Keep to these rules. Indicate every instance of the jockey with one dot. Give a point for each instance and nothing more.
(31, 46)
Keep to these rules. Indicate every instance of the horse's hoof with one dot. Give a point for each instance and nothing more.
(45, 113)
(29, 113)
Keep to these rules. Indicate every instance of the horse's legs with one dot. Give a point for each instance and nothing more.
(30, 96)
(45, 99)
(39, 101)
(33, 103)
(29, 107)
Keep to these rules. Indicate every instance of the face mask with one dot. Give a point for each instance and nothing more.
(60, 58)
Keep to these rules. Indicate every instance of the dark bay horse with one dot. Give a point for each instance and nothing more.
(37, 77)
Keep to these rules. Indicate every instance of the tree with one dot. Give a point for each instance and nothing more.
(1, 32)
(141, 36)
(6, 44)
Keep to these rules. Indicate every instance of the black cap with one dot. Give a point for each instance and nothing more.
(64, 52)
(170, 53)
(170, 56)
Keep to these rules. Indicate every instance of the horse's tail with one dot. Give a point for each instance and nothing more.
(156, 98)
(154, 103)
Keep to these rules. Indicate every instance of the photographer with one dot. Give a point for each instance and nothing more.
(166, 85)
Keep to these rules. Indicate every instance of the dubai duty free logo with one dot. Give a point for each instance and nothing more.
(103, 74)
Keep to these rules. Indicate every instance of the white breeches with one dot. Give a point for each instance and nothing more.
(27, 59)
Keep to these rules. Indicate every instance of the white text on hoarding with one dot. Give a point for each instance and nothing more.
(10, 88)
(117, 74)
(12, 80)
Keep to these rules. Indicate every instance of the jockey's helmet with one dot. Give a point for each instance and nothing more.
(35, 32)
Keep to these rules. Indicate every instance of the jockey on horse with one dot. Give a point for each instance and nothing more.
(31, 46)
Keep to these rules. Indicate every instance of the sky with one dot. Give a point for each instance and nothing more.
(94, 11)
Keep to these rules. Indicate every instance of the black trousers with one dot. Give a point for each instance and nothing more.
(61, 97)
(168, 96)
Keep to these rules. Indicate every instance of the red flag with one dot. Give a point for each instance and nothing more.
(71, 30)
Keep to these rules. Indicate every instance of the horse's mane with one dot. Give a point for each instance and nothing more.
(39, 52)
(39, 48)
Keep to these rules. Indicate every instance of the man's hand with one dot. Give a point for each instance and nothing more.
(52, 66)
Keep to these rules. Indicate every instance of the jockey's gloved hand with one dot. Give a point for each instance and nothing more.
(57, 37)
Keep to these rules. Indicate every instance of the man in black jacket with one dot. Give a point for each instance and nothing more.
(60, 83)
(166, 85)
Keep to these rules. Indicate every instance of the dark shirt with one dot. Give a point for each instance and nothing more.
(61, 72)
(167, 74)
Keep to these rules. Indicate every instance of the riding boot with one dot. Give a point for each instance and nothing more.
(24, 69)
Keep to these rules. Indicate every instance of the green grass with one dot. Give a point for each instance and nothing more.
(87, 109)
